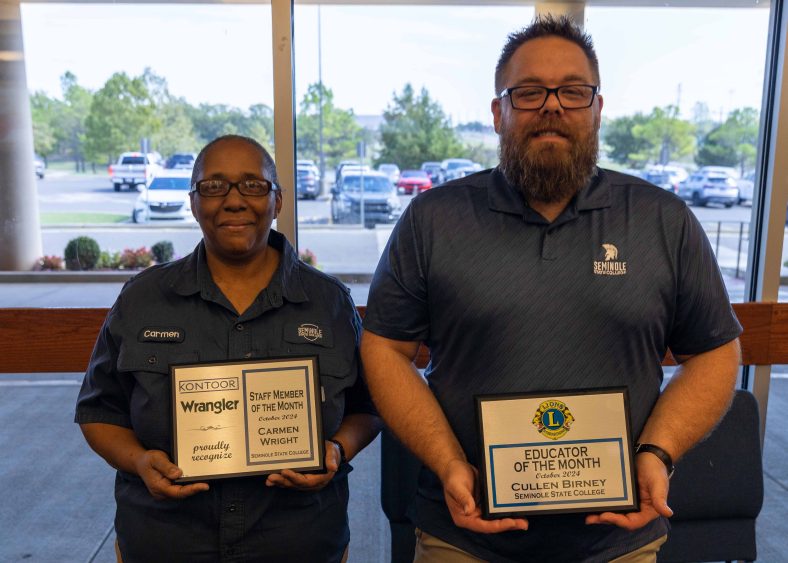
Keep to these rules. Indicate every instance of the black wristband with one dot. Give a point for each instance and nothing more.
(660, 453)
(342, 456)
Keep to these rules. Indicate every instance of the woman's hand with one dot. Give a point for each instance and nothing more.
(289, 479)
(158, 473)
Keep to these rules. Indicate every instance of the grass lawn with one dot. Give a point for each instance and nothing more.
(81, 218)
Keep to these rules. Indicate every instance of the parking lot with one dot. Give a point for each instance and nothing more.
(340, 249)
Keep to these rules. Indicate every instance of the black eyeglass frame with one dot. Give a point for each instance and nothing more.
(547, 92)
(272, 187)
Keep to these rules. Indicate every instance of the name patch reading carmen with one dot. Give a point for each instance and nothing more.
(161, 334)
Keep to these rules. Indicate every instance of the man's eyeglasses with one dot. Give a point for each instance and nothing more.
(220, 188)
(571, 96)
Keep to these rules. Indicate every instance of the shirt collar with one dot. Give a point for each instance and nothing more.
(193, 276)
(504, 197)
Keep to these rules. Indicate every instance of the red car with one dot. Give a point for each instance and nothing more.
(413, 181)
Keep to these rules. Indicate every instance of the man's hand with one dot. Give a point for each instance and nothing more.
(462, 494)
(653, 486)
(289, 479)
(157, 472)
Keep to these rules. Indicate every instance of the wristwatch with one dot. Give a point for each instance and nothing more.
(342, 456)
(660, 453)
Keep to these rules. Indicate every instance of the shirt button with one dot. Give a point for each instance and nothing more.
(231, 508)
(239, 327)
(248, 355)
(151, 359)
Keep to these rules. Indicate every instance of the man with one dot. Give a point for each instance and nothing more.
(544, 274)
(241, 294)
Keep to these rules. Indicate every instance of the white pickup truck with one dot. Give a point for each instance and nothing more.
(134, 169)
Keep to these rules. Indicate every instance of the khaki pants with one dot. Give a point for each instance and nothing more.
(430, 549)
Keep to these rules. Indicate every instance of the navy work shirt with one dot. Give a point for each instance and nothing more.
(508, 302)
(128, 384)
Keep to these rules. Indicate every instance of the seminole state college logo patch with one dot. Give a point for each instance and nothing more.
(553, 419)
(610, 265)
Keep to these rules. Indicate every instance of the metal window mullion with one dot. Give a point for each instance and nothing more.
(284, 114)
(771, 196)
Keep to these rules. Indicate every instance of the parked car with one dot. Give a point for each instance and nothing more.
(463, 171)
(309, 164)
(181, 160)
(702, 188)
(667, 177)
(350, 168)
(307, 186)
(450, 167)
(134, 169)
(746, 188)
(381, 203)
(165, 197)
(39, 166)
(344, 163)
(727, 170)
(433, 170)
(413, 181)
(390, 170)
(661, 180)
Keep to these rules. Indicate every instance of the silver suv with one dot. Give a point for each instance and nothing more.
(706, 187)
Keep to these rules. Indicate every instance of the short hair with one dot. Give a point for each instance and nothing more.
(546, 26)
(269, 166)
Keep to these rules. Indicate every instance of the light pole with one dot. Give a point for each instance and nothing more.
(320, 102)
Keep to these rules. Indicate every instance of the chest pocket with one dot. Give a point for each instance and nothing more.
(155, 358)
(147, 367)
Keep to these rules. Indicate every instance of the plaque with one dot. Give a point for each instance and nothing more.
(569, 451)
(233, 419)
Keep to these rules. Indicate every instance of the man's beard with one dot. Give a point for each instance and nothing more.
(545, 172)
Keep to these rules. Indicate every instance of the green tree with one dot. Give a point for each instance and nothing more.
(214, 120)
(622, 144)
(69, 123)
(341, 132)
(733, 143)
(121, 114)
(416, 130)
(667, 136)
(176, 133)
(44, 110)
(485, 155)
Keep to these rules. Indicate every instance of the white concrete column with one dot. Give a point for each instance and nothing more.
(284, 114)
(20, 231)
(574, 10)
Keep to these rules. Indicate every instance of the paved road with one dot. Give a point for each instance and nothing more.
(339, 249)
(62, 191)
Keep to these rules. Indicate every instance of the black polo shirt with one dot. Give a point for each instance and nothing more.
(508, 302)
(127, 384)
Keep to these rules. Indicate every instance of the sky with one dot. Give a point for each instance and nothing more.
(221, 54)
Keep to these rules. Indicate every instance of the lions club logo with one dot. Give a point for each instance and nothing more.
(553, 419)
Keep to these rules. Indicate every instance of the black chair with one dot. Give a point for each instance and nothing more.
(717, 491)
(399, 474)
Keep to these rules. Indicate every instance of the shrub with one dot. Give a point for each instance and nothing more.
(163, 251)
(82, 253)
(131, 259)
(308, 257)
(109, 260)
(50, 263)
